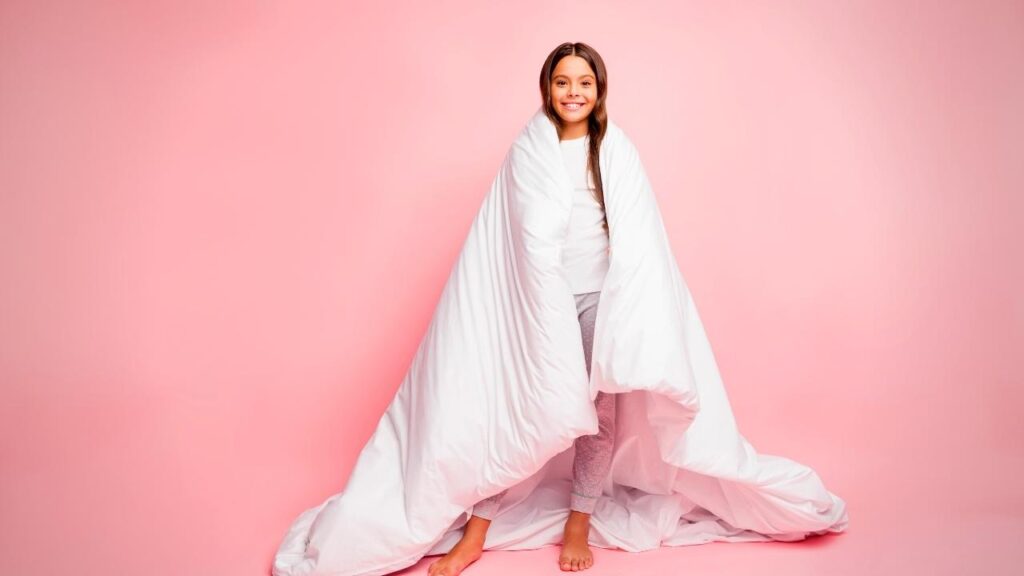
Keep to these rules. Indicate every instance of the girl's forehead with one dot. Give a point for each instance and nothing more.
(573, 66)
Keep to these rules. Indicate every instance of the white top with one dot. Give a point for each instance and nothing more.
(585, 252)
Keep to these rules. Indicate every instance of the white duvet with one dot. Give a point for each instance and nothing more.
(498, 390)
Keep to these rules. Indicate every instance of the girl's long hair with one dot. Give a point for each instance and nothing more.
(597, 121)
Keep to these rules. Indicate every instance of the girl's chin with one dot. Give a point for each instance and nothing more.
(570, 116)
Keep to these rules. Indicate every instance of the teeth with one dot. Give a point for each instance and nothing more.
(573, 106)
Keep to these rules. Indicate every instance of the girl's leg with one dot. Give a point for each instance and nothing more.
(593, 457)
(592, 460)
(593, 452)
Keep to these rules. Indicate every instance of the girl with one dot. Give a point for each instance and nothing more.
(572, 86)
(502, 349)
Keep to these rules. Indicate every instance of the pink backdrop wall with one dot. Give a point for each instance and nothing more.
(224, 226)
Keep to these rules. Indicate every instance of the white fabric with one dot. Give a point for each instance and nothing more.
(585, 254)
(498, 390)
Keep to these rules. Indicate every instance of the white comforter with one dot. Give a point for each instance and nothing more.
(498, 390)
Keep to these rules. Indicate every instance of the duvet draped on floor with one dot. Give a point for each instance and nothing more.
(498, 390)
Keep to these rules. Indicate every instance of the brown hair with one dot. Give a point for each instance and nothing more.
(597, 121)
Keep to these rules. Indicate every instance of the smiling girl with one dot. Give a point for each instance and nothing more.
(573, 91)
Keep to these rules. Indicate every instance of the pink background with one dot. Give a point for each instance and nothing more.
(224, 227)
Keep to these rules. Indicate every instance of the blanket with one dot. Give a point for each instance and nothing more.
(498, 390)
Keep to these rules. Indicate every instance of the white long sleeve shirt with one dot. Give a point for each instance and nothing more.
(585, 252)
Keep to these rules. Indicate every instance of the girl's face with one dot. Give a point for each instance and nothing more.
(573, 91)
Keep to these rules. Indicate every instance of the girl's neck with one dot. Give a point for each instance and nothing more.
(574, 131)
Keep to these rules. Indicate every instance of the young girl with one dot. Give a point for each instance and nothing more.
(671, 469)
(572, 85)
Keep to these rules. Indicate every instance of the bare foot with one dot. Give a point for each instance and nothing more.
(468, 550)
(576, 553)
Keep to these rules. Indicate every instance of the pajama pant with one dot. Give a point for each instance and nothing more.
(594, 452)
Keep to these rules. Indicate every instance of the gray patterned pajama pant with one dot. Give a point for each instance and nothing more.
(594, 452)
